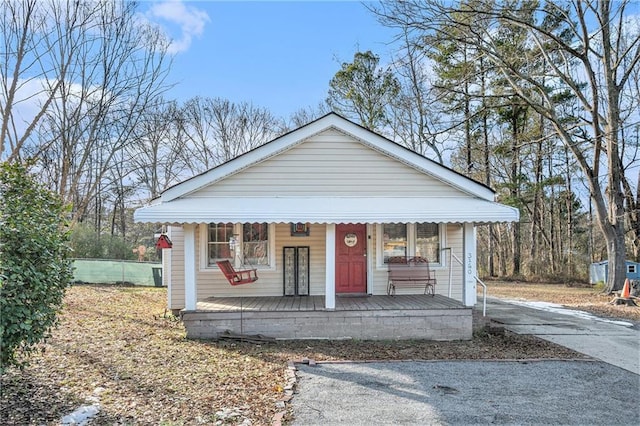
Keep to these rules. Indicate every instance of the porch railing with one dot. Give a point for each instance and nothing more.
(478, 280)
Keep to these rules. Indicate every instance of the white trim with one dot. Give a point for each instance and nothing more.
(166, 268)
(238, 260)
(370, 259)
(250, 158)
(411, 245)
(328, 209)
(469, 296)
(190, 286)
(331, 120)
(330, 268)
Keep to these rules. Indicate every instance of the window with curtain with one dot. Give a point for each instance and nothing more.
(255, 243)
(415, 239)
(428, 241)
(394, 240)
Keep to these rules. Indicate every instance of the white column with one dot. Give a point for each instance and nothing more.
(469, 273)
(330, 268)
(370, 259)
(190, 297)
(167, 260)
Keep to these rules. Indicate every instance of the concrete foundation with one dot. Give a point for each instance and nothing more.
(432, 324)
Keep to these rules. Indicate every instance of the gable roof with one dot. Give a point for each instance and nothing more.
(470, 202)
(332, 120)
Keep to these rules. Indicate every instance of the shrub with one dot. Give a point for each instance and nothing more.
(34, 269)
(87, 243)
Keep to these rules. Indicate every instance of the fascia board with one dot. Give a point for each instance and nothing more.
(418, 162)
(363, 135)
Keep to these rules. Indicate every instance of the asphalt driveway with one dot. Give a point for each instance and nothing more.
(602, 391)
(466, 393)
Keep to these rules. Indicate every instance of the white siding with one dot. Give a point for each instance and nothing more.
(330, 164)
(211, 283)
(453, 240)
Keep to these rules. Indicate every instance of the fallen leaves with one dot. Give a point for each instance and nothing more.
(118, 346)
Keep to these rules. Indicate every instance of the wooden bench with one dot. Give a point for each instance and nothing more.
(410, 272)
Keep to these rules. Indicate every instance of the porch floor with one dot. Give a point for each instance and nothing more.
(316, 303)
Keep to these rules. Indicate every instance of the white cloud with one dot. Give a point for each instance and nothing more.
(190, 22)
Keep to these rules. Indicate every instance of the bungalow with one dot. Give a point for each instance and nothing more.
(318, 212)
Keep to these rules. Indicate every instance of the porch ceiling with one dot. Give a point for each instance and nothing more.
(328, 210)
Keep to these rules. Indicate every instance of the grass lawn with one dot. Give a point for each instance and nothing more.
(116, 344)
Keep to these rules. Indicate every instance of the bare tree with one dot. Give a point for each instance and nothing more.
(99, 89)
(31, 43)
(413, 120)
(155, 157)
(219, 130)
(591, 51)
(306, 115)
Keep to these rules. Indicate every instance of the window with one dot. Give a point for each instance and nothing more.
(242, 244)
(631, 269)
(428, 241)
(255, 243)
(415, 239)
(394, 240)
(218, 242)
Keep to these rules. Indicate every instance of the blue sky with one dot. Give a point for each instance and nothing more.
(278, 55)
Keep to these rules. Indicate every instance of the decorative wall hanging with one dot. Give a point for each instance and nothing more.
(299, 229)
(350, 240)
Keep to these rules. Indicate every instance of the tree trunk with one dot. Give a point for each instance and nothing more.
(569, 218)
(515, 193)
(617, 261)
(537, 204)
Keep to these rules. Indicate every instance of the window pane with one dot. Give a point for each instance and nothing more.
(255, 242)
(394, 240)
(218, 244)
(428, 241)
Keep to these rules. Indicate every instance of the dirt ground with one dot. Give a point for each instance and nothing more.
(119, 344)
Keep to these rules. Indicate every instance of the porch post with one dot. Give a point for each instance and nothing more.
(330, 268)
(167, 261)
(190, 267)
(469, 280)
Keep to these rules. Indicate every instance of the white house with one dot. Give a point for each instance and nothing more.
(318, 212)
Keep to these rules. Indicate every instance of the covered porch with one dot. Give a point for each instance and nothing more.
(377, 317)
(318, 212)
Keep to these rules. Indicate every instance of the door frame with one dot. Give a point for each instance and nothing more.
(368, 250)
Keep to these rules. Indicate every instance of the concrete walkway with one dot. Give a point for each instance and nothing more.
(614, 342)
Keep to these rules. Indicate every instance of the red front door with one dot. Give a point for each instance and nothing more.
(351, 258)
